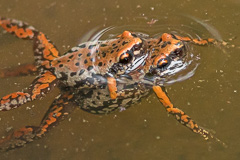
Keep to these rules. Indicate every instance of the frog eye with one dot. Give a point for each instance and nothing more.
(125, 58)
(163, 63)
(178, 51)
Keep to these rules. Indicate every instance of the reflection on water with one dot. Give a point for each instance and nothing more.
(178, 70)
(210, 96)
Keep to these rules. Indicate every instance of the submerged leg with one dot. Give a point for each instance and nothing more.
(59, 109)
(22, 70)
(112, 87)
(182, 117)
(40, 86)
(44, 50)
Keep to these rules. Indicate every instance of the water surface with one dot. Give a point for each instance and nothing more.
(144, 131)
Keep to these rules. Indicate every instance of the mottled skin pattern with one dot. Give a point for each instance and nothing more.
(99, 77)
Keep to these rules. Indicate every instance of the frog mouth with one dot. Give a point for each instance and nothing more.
(178, 70)
(137, 63)
(134, 72)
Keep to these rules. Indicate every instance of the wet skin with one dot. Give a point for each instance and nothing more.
(99, 77)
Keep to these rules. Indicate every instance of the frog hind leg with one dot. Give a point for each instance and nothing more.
(60, 108)
(18, 28)
(44, 49)
(42, 85)
(44, 52)
(21, 70)
(24, 31)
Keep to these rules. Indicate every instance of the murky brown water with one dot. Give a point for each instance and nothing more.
(211, 96)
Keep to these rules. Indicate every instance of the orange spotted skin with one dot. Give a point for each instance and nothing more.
(84, 64)
(99, 77)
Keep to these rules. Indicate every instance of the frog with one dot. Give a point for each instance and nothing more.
(98, 76)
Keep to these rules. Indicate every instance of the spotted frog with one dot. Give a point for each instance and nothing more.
(99, 77)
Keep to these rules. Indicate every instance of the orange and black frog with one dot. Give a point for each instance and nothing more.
(99, 77)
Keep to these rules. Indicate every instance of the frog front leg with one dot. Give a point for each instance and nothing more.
(197, 41)
(59, 109)
(112, 87)
(182, 117)
(40, 86)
